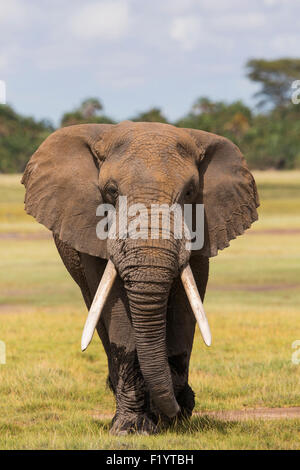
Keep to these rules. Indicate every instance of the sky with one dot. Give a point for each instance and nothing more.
(138, 54)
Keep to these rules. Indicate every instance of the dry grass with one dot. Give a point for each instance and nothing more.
(50, 392)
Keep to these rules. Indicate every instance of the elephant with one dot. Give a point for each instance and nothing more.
(147, 320)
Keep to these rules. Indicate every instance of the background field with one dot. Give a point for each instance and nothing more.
(53, 396)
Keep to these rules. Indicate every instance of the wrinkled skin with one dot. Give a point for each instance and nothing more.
(147, 326)
(134, 410)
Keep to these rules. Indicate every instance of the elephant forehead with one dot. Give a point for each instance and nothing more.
(153, 140)
(162, 141)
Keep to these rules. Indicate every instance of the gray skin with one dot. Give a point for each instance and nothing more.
(147, 326)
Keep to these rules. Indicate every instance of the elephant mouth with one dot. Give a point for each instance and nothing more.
(105, 287)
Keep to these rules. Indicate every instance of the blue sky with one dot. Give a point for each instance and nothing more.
(135, 54)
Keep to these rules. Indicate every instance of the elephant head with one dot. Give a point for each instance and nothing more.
(79, 167)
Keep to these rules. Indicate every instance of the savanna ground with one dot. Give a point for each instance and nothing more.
(52, 396)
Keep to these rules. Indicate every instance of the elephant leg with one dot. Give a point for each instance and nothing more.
(180, 334)
(80, 267)
(134, 412)
(116, 333)
(72, 261)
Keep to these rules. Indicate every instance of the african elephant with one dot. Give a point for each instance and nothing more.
(147, 324)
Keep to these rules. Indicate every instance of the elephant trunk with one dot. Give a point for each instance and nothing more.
(148, 272)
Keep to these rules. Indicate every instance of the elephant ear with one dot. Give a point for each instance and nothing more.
(227, 190)
(62, 190)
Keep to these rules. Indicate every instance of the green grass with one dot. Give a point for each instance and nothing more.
(51, 393)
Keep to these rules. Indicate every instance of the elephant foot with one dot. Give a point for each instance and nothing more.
(132, 423)
(186, 400)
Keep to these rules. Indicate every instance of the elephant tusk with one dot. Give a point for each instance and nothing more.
(101, 295)
(192, 293)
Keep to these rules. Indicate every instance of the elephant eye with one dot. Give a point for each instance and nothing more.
(111, 191)
(189, 193)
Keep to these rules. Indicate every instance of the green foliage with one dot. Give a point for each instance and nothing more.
(232, 120)
(153, 115)
(274, 138)
(275, 77)
(88, 112)
(268, 139)
(19, 138)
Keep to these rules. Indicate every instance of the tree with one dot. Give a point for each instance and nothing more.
(19, 138)
(90, 107)
(153, 115)
(231, 120)
(275, 78)
(87, 112)
(204, 105)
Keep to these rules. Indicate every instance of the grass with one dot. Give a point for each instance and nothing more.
(51, 394)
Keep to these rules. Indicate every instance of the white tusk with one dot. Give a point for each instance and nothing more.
(192, 293)
(101, 295)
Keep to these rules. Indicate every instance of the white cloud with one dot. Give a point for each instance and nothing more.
(238, 22)
(177, 6)
(218, 5)
(139, 51)
(3, 61)
(10, 58)
(271, 3)
(12, 12)
(107, 20)
(186, 30)
(125, 83)
(191, 31)
(286, 44)
(9, 11)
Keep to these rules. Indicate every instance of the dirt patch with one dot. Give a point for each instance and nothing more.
(233, 415)
(256, 413)
(254, 287)
(102, 416)
(14, 309)
(25, 236)
(275, 231)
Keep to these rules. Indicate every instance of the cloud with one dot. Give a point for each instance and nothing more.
(238, 22)
(217, 5)
(3, 62)
(271, 3)
(192, 31)
(186, 30)
(286, 44)
(107, 20)
(11, 13)
(138, 52)
(10, 58)
(176, 6)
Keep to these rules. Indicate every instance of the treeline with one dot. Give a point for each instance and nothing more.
(19, 138)
(269, 136)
